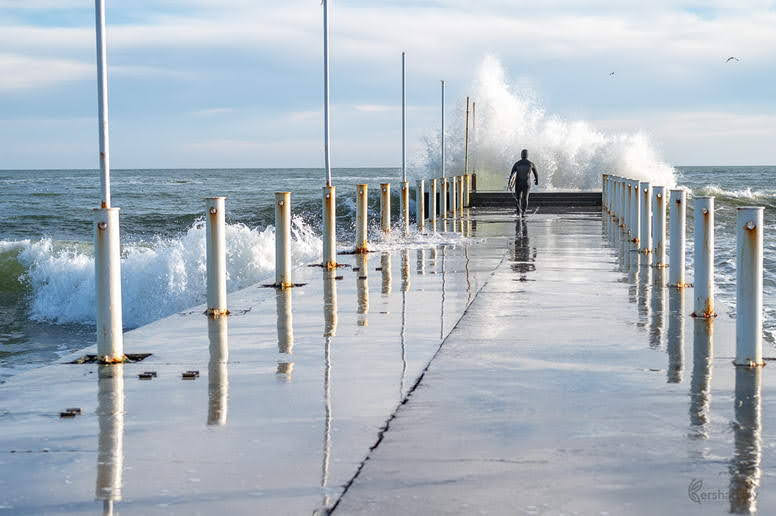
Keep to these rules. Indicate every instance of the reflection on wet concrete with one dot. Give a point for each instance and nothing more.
(385, 268)
(675, 337)
(634, 270)
(421, 261)
(218, 375)
(405, 270)
(327, 418)
(362, 289)
(444, 280)
(330, 303)
(110, 444)
(745, 465)
(285, 324)
(700, 385)
(658, 315)
(523, 255)
(645, 288)
(432, 259)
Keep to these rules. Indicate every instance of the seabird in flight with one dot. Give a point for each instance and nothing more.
(731, 58)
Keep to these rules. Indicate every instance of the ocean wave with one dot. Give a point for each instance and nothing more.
(741, 196)
(569, 155)
(159, 277)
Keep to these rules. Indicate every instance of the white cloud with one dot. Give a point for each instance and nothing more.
(22, 72)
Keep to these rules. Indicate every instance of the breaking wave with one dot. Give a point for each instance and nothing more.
(569, 154)
(160, 277)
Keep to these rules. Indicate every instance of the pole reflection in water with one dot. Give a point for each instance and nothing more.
(700, 385)
(330, 316)
(218, 375)
(330, 302)
(432, 259)
(362, 289)
(623, 252)
(632, 259)
(523, 255)
(110, 444)
(284, 309)
(675, 343)
(658, 320)
(405, 270)
(745, 465)
(405, 286)
(421, 261)
(385, 267)
(645, 288)
(442, 317)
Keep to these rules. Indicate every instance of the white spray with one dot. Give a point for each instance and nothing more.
(570, 155)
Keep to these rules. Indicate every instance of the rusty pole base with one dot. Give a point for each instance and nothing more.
(750, 364)
(680, 285)
(705, 315)
(215, 313)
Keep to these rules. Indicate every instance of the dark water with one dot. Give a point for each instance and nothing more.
(46, 269)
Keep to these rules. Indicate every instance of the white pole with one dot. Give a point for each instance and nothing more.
(329, 193)
(453, 198)
(385, 207)
(283, 277)
(216, 256)
(432, 205)
(326, 99)
(107, 270)
(405, 207)
(645, 235)
(329, 227)
(628, 207)
(107, 242)
(443, 129)
(420, 207)
(704, 257)
(362, 198)
(403, 122)
(659, 225)
(461, 184)
(466, 141)
(678, 221)
(749, 286)
(636, 213)
(102, 103)
(443, 198)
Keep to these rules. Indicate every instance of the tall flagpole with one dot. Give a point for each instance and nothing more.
(329, 192)
(107, 245)
(443, 128)
(326, 101)
(403, 122)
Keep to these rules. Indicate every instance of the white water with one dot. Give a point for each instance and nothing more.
(568, 154)
(158, 278)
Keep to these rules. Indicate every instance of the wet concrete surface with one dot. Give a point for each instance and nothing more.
(570, 385)
(292, 391)
(577, 384)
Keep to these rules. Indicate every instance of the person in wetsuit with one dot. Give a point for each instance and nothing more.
(522, 170)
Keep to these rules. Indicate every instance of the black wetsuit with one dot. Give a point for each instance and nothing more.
(523, 169)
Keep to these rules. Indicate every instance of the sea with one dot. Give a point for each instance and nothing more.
(47, 295)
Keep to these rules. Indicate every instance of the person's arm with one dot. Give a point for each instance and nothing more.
(514, 169)
(536, 175)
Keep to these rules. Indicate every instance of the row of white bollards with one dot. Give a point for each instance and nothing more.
(107, 240)
(640, 209)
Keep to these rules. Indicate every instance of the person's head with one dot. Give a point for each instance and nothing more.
(524, 154)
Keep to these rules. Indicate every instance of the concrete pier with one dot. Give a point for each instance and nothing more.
(535, 367)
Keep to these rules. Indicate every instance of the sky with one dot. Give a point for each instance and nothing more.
(238, 83)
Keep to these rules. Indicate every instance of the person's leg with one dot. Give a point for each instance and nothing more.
(523, 200)
(516, 195)
(526, 193)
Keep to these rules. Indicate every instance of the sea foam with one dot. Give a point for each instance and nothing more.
(570, 155)
(159, 277)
